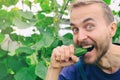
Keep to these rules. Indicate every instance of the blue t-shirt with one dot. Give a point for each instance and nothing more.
(92, 72)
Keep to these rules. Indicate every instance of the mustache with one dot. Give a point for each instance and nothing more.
(81, 43)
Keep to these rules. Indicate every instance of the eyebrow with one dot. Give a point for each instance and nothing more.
(86, 20)
(71, 24)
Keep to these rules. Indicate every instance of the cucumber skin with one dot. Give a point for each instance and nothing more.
(79, 51)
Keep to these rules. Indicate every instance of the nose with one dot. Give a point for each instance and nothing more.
(82, 36)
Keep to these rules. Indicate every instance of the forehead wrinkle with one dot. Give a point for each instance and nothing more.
(84, 21)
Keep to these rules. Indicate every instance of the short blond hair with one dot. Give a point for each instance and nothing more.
(106, 9)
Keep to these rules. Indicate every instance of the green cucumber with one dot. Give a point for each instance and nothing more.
(80, 51)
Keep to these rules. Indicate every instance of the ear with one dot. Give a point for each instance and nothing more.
(112, 29)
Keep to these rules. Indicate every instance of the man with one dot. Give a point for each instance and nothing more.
(93, 27)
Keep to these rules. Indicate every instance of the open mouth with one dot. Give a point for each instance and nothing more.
(89, 48)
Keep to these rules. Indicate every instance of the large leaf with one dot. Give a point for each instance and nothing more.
(45, 41)
(1, 37)
(23, 24)
(26, 74)
(44, 21)
(3, 52)
(8, 2)
(8, 77)
(25, 51)
(9, 45)
(41, 70)
(3, 71)
(67, 39)
(14, 63)
(68, 35)
(5, 20)
(27, 14)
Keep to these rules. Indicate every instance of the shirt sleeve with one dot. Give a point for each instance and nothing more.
(61, 77)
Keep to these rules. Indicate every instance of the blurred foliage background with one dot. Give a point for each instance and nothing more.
(27, 57)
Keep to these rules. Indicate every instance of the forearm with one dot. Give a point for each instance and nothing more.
(53, 73)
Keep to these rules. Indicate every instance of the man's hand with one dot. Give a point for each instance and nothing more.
(63, 56)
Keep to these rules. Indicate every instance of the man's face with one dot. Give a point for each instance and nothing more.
(90, 31)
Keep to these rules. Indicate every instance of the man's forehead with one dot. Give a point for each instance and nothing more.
(82, 21)
(88, 13)
(92, 7)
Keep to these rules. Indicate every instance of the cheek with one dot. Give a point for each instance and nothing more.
(75, 39)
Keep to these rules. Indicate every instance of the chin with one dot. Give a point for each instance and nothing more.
(89, 61)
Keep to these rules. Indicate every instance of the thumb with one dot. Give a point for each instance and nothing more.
(74, 58)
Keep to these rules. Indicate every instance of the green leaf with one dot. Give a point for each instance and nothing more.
(41, 70)
(68, 35)
(28, 41)
(25, 50)
(8, 77)
(3, 52)
(15, 63)
(67, 39)
(56, 42)
(40, 16)
(1, 37)
(16, 37)
(5, 19)
(8, 30)
(3, 71)
(27, 14)
(27, 2)
(107, 1)
(44, 22)
(46, 5)
(119, 13)
(114, 12)
(117, 35)
(23, 24)
(36, 37)
(26, 74)
(0, 5)
(8, 2)
(45, 41)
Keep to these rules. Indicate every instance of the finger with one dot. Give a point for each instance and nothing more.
(71, 49)
(67, 53)
(74, 58)
(62, 51)
(56, 54)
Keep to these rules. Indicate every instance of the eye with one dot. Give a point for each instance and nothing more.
(90, 27)
(75, 30)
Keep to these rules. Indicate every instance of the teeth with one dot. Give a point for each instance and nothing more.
(89, 46)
